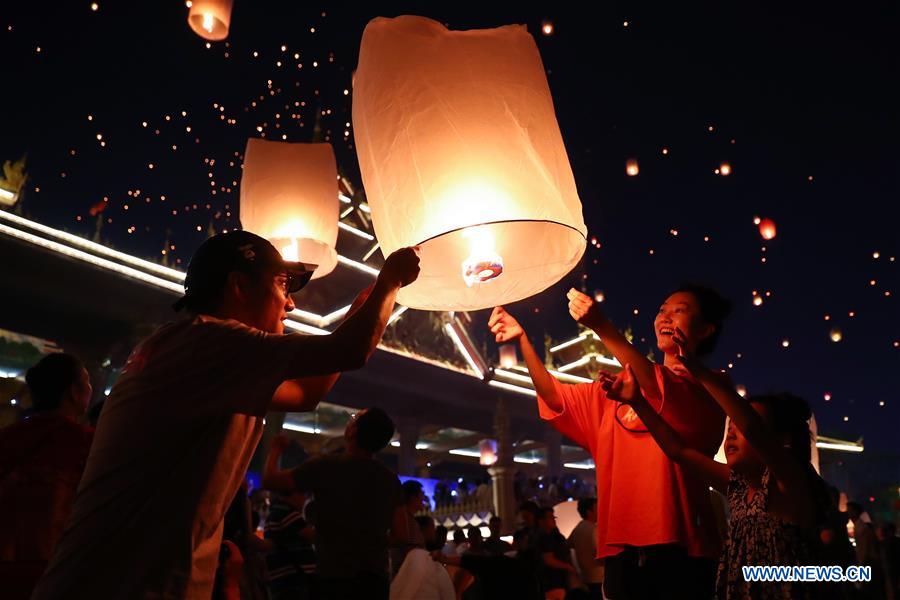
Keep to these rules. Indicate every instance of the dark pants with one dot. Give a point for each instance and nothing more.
(361, 587)
(658, 573)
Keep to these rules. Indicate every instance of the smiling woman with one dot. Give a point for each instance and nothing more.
(698, 311)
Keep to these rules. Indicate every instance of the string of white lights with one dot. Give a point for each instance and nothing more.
(91, 259)
(512, 388)
(355, 231)
(843, 447)
(451, 331)
(93, 247)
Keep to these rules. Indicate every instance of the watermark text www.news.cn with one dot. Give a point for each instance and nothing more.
(808, 573)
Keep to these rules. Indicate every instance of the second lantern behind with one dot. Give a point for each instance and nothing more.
(289, 196)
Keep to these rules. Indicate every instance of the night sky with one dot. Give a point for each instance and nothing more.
(801, 106)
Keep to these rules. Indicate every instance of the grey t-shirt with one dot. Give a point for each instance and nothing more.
(173, 443)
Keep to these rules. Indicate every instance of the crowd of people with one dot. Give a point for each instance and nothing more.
(154, 503)
(546, 490)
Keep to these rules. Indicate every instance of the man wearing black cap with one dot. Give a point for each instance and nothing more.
(183, 420)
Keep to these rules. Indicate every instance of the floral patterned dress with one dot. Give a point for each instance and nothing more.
(756, 538)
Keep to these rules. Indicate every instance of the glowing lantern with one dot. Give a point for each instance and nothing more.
(836, 335)
(631, 167)
(567, 516)
(725, 169)
(488, 450)
(767, 229)
(460, 154)
(210, 18)
(547, 28)
(508, 356)
(289, 196)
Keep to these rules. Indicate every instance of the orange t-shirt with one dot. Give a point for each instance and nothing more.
(643, 498)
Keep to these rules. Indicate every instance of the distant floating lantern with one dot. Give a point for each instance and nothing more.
(210, 18)
(767, 229)
(547, 28)
(631, 167)
(289, 196)
(488, 451)
(742, 391)
(836, 335)
(508, 356)
(461, 154)
(725, 169)
(757, 300)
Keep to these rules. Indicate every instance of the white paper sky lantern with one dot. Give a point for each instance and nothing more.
(289, 196)
(488, 452)
(631, 167)
(461, 154)
(210, 18)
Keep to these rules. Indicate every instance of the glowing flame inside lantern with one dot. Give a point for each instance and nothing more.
(290, 237)
(291, 252)
(208, 22)
(767, 229)
(483, 263)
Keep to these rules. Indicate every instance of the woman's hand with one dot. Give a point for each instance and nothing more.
(688, 362)
(584, 310)
(622, 387)
(504, 326)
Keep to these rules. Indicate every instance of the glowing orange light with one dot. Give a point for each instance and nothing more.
(767, 229)
(631, 167)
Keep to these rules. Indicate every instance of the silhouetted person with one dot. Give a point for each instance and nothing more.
(182, 422)
(42, 459)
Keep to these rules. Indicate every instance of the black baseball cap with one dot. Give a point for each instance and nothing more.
(236, 251)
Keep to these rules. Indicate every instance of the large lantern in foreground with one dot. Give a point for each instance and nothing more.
(289, 196)
(210, 18)
(460, 153)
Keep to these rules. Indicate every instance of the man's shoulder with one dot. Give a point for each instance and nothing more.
(583, 530)
(379, 469)
(580, 527)
(204, 323)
